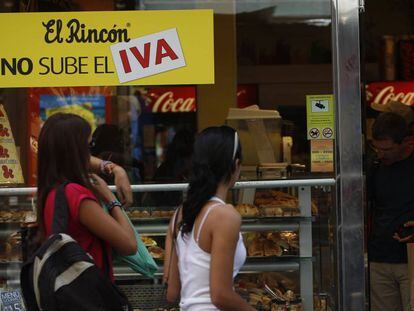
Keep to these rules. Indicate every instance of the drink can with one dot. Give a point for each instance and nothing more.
(406, 58)
(387, 59)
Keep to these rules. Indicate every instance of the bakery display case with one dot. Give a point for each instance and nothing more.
(282, 271)
(286, 267)
(15, 210)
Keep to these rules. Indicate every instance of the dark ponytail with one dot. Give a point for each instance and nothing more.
(213, 162)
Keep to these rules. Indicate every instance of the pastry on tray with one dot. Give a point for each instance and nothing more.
(271, 210)
(6, 216)
(162, 214)
(272, 249)
(283, 200)
(256, 248)
(139, 214)
(247, 210)
(156, 252)
(148, 241)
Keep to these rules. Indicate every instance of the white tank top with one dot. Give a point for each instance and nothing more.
(194, 267)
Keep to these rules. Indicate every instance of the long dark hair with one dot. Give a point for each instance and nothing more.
(212, 163)
(176, 166)
(63, 156)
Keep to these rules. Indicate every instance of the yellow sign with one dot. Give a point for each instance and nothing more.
(320, 115)
(106, 48)
(322, 155)
(10, 169)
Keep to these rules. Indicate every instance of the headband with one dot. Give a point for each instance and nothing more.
(236, 141)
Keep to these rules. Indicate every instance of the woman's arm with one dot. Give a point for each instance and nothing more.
(113, 228)
(123, 186)
(224, 238)
(171, 273)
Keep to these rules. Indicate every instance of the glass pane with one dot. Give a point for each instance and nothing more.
(271, 54)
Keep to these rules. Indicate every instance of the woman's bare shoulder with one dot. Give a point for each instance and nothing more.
(226, 213)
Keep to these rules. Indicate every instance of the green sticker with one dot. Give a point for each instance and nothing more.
(320, 116)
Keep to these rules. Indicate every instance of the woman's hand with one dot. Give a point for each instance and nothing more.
(101, 189)
(123, 187)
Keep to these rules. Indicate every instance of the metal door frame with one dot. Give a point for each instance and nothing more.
(350, 185)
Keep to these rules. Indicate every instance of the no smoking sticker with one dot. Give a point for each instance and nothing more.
(327, 132)
(314, 133)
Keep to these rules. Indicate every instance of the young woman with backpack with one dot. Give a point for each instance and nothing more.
(204, 247)
(64, 157)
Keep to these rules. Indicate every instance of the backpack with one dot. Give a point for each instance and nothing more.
(61, 276)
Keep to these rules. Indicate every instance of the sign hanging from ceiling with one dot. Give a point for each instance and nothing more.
(106, 48)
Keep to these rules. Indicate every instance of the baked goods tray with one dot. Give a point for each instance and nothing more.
(4, 262)
(270, 259)
(151, 220)
(10, 270)
(246, 219)
(276, 218)
(252, 265)
(257, 259)
(159, 226)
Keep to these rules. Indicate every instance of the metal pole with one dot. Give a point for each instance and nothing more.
(183, 186)
(350, 215)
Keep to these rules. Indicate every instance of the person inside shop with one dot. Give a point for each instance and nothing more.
(174, 169)
(64, 157)
(204, 246)
(390, 189)
(401, 109)
(108, 144)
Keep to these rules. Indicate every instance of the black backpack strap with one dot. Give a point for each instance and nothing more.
(61, 211)
(61, 222)
(105, 259)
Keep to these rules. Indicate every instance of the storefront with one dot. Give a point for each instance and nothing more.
(301, 189)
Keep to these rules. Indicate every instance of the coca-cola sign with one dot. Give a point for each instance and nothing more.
(383, 92)
(171, 99)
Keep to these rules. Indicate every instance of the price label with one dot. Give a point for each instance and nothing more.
(12, 301)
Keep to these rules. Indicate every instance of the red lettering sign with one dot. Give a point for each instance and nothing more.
(144, 61)
(163, 45)
(172, 99)
(148, 55)
(163, 50)
(125, 61)
(383, 92)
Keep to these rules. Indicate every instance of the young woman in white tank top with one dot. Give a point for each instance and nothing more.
(208, 248)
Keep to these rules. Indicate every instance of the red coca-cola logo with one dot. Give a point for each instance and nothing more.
(175, 100)
(383, 92)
